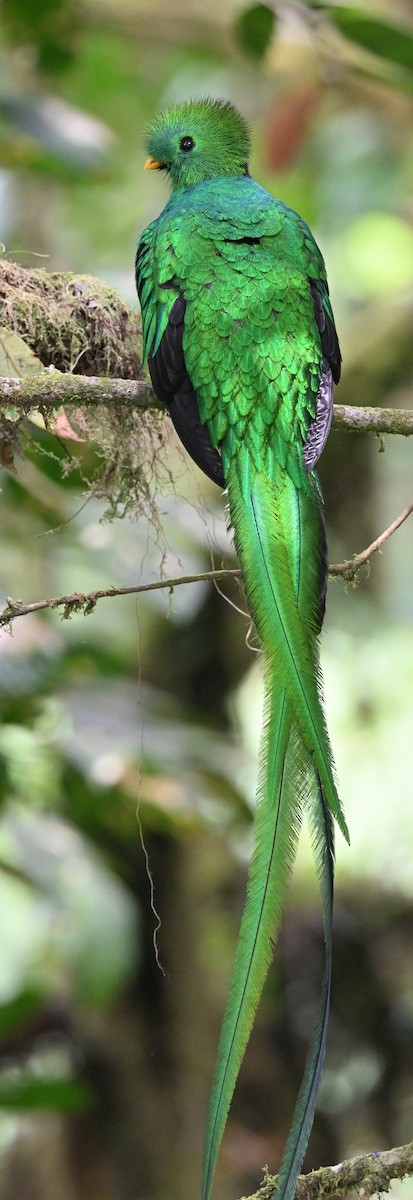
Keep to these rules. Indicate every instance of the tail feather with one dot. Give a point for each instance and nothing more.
(293, 648)
(277, 826)
(280, 543)
(323, 845)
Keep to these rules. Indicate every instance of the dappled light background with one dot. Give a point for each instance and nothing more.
(128, 738)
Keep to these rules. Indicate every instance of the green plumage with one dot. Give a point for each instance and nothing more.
(240, 340)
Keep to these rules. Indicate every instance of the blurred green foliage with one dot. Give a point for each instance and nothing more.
(255, 28)
(143, 718)
(376, 35)
(49, 28)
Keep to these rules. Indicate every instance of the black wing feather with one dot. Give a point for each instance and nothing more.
(172, 385)
(328, 333)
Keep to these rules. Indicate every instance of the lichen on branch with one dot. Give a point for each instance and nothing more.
(367, 1174)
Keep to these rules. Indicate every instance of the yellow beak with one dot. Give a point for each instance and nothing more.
(152, 165)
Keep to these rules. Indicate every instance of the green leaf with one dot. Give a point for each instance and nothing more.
(18, 1010)
(63, 1095)
(31, 765)
(50, 28)
(389, 41)
(16, 358)
(255, 28)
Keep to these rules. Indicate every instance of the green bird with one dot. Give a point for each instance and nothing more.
(241, 346)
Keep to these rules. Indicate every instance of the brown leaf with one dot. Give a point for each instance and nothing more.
(288, 124)
(6, 454)
(64, 430)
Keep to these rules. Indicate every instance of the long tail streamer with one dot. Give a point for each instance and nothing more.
(274, 524)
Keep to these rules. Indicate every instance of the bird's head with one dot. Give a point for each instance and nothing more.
(201, 139)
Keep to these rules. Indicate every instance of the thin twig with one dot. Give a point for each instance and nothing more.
(86, 601)
(368, 1174)
(348, 570)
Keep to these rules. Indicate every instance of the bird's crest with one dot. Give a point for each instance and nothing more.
(197, 140)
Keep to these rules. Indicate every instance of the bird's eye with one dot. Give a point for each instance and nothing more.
(186, 144)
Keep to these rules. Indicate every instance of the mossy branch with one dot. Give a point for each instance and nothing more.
(52, 390)
(367, 1174)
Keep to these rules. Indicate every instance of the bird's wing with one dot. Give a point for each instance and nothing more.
(163, 325)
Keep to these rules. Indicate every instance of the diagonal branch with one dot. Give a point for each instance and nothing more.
(368, 1174)
(351, 566)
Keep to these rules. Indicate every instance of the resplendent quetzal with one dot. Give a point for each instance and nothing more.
(241, 346)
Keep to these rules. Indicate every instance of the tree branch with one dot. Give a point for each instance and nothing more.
(86, 601)
(52, 390)
(373, 420)
(368, 1174)
(351, 566)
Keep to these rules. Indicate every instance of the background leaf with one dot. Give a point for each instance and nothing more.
(381, 37)
(16, 358)
(63, 1095)
(255, 28)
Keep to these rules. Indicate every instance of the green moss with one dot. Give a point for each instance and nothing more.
(72, 322)
(79, 325)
